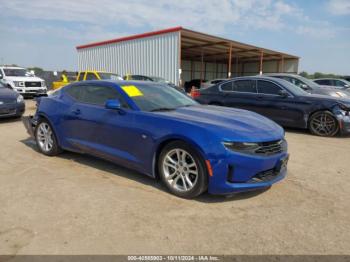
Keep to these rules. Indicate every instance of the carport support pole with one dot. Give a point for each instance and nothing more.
(261, 62)
(282, 64)
(229, 62)
(202, 66)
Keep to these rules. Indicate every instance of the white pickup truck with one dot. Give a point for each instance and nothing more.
(22, 81)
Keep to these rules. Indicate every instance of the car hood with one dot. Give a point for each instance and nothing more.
(329, 91)
(229, 123)
(327, 98)
(7, 93)
(24, 78)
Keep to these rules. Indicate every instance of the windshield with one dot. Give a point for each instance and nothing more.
(157, 97)
(110, 76)
(17, 72)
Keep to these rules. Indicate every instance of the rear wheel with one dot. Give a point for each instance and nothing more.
(46, 139)
(182, 170)
(323, 124)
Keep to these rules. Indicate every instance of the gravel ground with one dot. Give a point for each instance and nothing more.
(77, 204)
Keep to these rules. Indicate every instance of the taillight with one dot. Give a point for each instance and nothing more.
(195, 93)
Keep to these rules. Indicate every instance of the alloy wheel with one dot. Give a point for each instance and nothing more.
(324, 124)
(45, 137)
(180, 170)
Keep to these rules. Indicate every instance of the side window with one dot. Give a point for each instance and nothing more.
(227, 86)
(268, 88)
(324, 82)
(74, 91)
(81, 76)
(246, 86)
(98, 95)
(339, 83)
(91, 76)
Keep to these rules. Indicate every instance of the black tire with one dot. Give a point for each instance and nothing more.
(323, 123)
(54, 149)
(200, 183)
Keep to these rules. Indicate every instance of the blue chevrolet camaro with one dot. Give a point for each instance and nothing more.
(163, 133)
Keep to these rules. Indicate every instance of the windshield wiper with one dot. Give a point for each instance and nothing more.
(162, 109)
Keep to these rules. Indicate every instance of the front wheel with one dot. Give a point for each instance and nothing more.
(182, 170)
(323, 124)
(46, 139)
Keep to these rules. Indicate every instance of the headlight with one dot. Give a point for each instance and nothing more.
(18, 83)
(43, 84)
(338, 94)
(20, 99)
(241, 146)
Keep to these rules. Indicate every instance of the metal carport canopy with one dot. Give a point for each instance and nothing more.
(197, 46)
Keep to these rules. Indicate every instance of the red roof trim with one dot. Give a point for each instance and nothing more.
(160, 32)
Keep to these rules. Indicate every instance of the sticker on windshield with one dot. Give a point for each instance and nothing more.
(132, 91)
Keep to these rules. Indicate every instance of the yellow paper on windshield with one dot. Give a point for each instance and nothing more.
(132, 91)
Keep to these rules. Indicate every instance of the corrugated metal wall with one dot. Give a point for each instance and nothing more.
(152, 56)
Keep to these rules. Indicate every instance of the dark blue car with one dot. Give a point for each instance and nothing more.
(11, 103)
(283, 102)
(161, 132)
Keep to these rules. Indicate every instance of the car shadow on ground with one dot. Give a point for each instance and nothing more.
(9, 120)
(114, 169)
(307, 132)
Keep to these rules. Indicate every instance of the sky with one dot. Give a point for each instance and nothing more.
(45, 33)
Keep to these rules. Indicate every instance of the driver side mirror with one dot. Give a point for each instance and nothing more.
(283, 93)
(113, 104)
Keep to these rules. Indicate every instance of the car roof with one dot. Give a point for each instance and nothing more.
(329, 78)
(120, 82)
(11, 67)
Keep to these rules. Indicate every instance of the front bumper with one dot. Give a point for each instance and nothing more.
(239, 172)
(30, 124)
(32, 91)
(12, 110)
(344, 124)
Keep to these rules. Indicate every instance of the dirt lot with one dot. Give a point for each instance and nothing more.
(74, 204)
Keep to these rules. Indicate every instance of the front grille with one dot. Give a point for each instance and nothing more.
(7, 111)
(32, 84)
(270, 148)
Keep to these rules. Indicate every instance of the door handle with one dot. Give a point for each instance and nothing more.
(76, 112)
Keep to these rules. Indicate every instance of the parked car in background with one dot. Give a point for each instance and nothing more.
(283, 102)
(137, 78)
(11, 103)
(338, 83)
(22, 81)
(213, 82)
(163, 81)
(192, 148)
(310, 86)
(87, 75)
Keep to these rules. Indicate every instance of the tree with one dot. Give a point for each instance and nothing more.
(304, 74)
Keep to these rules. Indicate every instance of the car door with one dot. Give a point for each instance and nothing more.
(92, 128)
(240, 94)
(279, 104)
